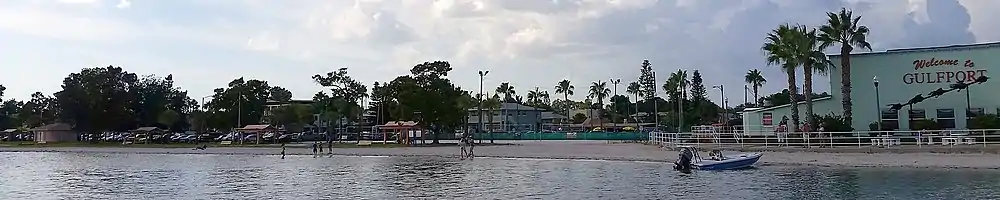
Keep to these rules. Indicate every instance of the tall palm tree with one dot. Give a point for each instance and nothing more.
(780, 50)
(566, 88)
(634, 88)
(843, 29)
(756, 80)
(813, 60)
(544, 97)
(598, 91)
(507, 90)
(534, 97)
(676, 84)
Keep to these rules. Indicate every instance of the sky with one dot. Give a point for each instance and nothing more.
(205, 44)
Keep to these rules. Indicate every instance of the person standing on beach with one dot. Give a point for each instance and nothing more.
(472, 146)
(282, 150)
(329, 148)
(314, 149)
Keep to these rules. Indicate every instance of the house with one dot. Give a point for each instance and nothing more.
(508, 117)
(58, 132)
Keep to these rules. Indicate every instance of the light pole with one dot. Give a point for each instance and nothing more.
(680, 108)
(725, 103)
(615, 109)
(482, 76)
(878, 104)
(656, 111)
(746, 94)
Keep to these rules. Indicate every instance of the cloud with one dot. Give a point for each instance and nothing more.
(526, 42)
(123, 4)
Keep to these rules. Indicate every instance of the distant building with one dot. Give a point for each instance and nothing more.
(509, 117)
(58, 132)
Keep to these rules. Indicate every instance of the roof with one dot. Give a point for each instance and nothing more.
(395, 124)
(927, 49)
(146, 129)
(513, 106)
(293, 101)
(10, 130)
(595, 121)
(496, 119)
(257, 127)
(552, 115)
(786, 105)
(54, 127)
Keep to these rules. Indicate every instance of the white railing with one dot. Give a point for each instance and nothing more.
(936, 138)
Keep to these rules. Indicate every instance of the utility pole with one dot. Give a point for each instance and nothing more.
(614, 109)
(482, 75)
(656, 111)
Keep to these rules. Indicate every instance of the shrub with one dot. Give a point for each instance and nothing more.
(987, 121)
(833, 123)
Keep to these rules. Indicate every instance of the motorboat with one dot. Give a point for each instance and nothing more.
(689, 159)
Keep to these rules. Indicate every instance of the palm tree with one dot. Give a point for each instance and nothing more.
(492, 104)
(566, 88)
(780, 50)
(843, 29)
(507, 90)
(756, 80)
(634, 89)
(813, 60)
(534, 97)
(599, 90)
(676, 84)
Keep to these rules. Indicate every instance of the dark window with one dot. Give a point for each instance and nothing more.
(890, 119)
(916, 115)
(946, 117)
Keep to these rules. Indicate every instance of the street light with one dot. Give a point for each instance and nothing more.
(614, 110)
(482, 75)
(878, 104)
(722, 91)
(746, 95)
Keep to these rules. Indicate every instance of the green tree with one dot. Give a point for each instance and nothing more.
(280, 94)
(508, 92)
(343, 102)
(698, 92)
(756, 80)
(647, 80)
(676, 84)
(635, 89)
(843, 29)
(781, 49)
(429, 93)
(293, 116)
(565, 87)
(169, 118)
(598, 91)
(239, 104)
(813, 60)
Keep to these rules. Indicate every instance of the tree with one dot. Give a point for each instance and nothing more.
(566, 88)
(293, 116)
(634, 88)
(647, 80)
(508, 92)
(698, 92)
(169, 118)
(756, 80)
(343, 102)
(280, 94)
(239, 104)
(813, 60)
(598, 91)
(428, 92)
(676, 84)
(579, 118)
(780, 49)
(9, 114)
(843, 29)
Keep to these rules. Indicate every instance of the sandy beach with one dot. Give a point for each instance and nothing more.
(600, 150)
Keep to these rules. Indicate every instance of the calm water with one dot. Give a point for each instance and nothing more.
(124, 176)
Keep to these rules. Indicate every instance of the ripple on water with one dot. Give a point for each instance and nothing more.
(148, 176)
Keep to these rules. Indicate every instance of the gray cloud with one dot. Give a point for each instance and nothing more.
(948, 23)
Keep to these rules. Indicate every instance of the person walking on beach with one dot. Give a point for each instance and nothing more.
(472, 147)
(462, 143)
(329, 148)
(282, 150)
(314, 149)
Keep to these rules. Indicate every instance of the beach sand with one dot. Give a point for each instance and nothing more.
(600, 150)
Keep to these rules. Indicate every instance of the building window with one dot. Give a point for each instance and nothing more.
(767, 119)
(946, 117)
(916, 115)
(972, 113)
(890, 119)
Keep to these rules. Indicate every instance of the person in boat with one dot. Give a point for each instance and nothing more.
(716, 155)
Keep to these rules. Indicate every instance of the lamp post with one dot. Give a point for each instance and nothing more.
(482, 75)
(746, 95)
(680, 107)
(656, 110)
(878, 104)
(614, 109)
(725, 102)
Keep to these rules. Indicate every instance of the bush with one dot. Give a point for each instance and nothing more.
(833, 123)
(987, 121)
(925, 124)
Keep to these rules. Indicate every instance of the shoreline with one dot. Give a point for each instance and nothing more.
(586, 151)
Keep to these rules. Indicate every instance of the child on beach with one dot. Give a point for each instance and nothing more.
(314, 149)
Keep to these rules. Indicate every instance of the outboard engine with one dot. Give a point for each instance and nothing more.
(684, 160)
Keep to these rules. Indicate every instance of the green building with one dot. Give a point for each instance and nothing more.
(902, 74)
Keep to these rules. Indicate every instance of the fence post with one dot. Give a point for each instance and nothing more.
(859, 139)
(984, 138)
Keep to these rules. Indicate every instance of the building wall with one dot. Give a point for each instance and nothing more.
(753, 121)
(903, 74)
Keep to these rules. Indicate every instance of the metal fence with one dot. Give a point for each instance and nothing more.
(979, 137)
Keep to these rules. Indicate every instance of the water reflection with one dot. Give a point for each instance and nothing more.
(124, 176)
